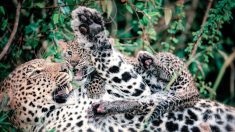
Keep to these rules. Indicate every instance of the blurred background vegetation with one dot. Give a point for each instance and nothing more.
(200, 32)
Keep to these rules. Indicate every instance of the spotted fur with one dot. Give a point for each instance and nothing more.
(66, 116)
(124, 79)
(29, 87)
(37, 110)
(168, 74)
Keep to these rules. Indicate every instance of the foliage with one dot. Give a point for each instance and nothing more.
(153, 25)
(5, 125)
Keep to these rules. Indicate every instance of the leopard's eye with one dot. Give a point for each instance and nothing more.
(37, 71)
(83, 29)
(34, 73)
(69, 52)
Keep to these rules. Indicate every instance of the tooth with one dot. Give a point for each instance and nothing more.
(70, 87)
(67, 91)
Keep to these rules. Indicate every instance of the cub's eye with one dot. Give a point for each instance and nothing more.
(83, 29)
(69, 52)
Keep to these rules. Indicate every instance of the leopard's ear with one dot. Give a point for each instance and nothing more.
(63, 45)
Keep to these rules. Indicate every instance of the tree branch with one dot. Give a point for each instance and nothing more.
(232, 79)
(195, 46)
(227, 62)
(5, 49)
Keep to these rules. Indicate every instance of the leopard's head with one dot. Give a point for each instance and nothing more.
(37, 87)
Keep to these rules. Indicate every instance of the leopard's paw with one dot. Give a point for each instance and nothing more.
(86, 24)
(145, 59)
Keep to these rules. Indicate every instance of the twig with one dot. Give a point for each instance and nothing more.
(5, 49)
(232, 79)
(3, 35)
(210, 90)
(195, 46)
(227, 62)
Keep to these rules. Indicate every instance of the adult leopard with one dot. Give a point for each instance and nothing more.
(29, 88)
(36, 83)
(42, 98)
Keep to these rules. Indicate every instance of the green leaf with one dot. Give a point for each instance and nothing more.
(152, 14)
(139, 5)
(2, 11)
(62, 19)
(175, 40)
(139, 32)
(4, 24)
(145, 20)
(128, 7)
(40, 4)
(55, 18)
(167, 15)
(172, 31)
(32, 27)
(65, 10)
(3, 117)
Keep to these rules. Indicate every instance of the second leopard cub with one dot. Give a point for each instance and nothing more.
(167, 74)
(170, 81)
(157, 71)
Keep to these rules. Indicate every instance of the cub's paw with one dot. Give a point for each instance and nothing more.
(95, 112)
(145, 59)
(100, 108)
(86, 23)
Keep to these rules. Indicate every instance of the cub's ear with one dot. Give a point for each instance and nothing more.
(112, 41)
(147, 62)
(145, 59)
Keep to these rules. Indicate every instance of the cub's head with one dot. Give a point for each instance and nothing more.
(77, 58)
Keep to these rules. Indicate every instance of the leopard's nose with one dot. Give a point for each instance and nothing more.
(74, 63)
(95, 29)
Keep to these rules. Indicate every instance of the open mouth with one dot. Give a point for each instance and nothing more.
(81, 73)
(78, 75)
(62, 92)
